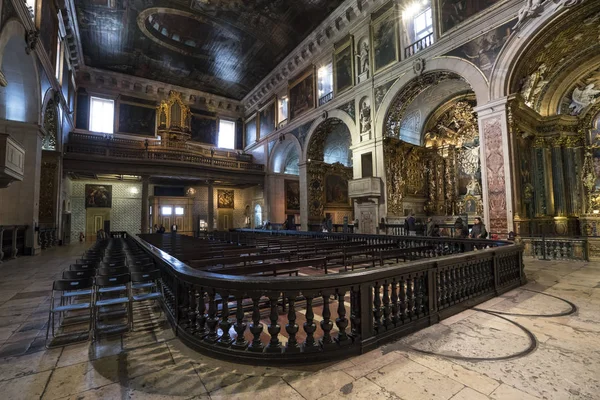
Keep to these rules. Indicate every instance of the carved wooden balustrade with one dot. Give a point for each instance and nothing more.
(335, 315)
(180, 152)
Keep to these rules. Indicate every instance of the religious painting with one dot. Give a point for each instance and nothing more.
(225, 198)
(384, 38)
(343, 65)
(204, 129)
(595, 141)
(292, 195)
(98, 196)
(301, 93)
(266, 119)
(251, 130)
(336, 190)
(454, 12)
(483, 50)
(137, 120)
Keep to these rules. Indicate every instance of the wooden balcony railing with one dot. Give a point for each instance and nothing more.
(225, 316)
(419, 45)
(134, 149)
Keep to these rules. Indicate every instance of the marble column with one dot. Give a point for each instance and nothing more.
(558, 179)
(495, 167)
(211, 207)
(303, 197)
(145, 216)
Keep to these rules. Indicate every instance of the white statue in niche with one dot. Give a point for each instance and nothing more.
(583, 97)
(363, 60)
(365, 115)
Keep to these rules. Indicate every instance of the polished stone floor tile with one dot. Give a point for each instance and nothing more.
(151, 363)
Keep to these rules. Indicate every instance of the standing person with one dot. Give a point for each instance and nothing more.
(329, 224)
(161, 229)
(174, 228)
(478, 231)
(431, 228)
(155, 230)
(412, 224)
(459, 229)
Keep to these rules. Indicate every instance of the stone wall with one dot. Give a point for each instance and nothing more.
(125, 213)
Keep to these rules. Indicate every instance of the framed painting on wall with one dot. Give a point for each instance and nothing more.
(384, 37)
(301, 93)
(250, 129)
(343, 65)
(266, 118)
(454, 12)
(336, 190)
(292, 195)
(136, 119)
(98, 196)
(225, 198)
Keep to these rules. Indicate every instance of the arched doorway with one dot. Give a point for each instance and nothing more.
(329, 168)
(431, 150)
(284, 178)
(258, 216)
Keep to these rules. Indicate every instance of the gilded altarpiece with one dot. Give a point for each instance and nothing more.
(548, 171)
(443, 177)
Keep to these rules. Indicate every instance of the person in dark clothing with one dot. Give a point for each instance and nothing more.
(411, 222)
(459, 229)
(161, 229)
(329, 224)
(433, 229)
(478, 231)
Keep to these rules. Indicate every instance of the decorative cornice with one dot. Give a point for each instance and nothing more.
(117, 82)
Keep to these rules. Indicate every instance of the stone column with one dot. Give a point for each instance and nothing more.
(558, 178)
(495, 167)
(303, 197)
(211, 207)
(14, 243)
(145, 180)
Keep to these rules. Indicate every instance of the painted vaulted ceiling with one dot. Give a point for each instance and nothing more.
(224, 47)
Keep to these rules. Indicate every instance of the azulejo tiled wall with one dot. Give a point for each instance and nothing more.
(125, 214)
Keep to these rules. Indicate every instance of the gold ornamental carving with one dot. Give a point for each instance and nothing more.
(174, 118)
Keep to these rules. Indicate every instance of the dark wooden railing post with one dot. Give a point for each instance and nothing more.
(274, 328)
(367, 329)
(326, 323)
(240, 325)
(225, 324)
(256, 328)
(341, 321)
(310, 327)
(14, 249)
(292, 328)
(212, 320)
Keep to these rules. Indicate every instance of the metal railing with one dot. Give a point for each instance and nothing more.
(419, 45)
(358, 311)
(325, 98)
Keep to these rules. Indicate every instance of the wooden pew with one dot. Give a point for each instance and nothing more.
(244, 260)
(285, 267)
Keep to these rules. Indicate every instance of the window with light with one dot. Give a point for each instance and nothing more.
(31, 6)
(60, 54)
(178, 210)
(102, 114)
(166, 210)
(226, 134)
(423, 24)
(283, 109)
(325, 80)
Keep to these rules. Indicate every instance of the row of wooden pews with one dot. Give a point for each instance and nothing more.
(254, 254)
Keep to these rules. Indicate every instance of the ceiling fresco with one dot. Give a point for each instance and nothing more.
(224, 47)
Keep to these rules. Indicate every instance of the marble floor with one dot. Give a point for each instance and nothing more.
(527, 349)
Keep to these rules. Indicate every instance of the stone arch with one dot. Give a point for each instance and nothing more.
(21, 74)
(469, 72)
(281, 149)
(517, 44)
(341, 115)
(331, 136)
